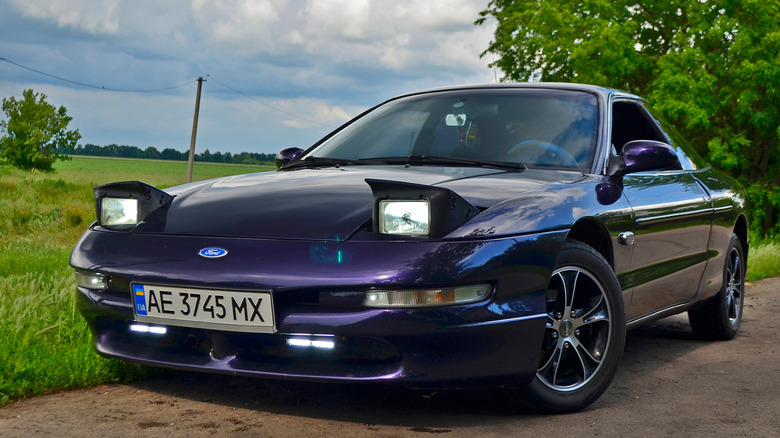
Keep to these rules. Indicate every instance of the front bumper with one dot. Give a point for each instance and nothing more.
(493, 342)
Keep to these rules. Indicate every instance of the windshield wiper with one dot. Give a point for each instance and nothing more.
(411, 159)
(456, 161)
(328, 161)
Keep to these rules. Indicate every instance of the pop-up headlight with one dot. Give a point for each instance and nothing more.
(124, 205)
(412, 218)
(118, 212)
(416, 210)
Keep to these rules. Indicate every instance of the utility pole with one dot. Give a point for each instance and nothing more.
(191, 160)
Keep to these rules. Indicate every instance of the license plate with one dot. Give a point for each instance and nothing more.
(237, 311)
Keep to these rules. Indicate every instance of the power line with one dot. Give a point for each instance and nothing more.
(269, 106)
(99, 87)
(104, 88)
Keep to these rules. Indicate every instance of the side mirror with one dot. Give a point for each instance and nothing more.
(286, 155)
(644, 155)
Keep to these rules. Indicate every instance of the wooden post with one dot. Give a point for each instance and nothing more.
(191, 159)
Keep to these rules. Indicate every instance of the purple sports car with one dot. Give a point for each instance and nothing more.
(501, 235)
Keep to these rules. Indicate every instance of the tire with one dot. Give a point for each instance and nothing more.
(721, 317)
(586, 331)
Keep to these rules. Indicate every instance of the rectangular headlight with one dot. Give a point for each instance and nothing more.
(427, 297)
(123, 205)
(407, 217)
(118, 211)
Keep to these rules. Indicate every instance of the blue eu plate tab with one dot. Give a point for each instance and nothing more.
(140, 299)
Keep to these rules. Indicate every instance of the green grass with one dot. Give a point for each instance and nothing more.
(45, 345)
(45, 342)
(159, 173)
(763, 261)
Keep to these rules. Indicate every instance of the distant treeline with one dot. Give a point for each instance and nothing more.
(152, 152)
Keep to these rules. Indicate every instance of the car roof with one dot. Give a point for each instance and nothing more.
(603, 91)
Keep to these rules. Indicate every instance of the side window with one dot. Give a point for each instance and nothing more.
(630, 122)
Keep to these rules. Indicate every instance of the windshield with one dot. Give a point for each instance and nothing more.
(538, 128)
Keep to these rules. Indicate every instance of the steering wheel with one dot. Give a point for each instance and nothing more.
(541, 152)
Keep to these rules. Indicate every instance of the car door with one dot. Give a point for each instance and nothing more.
(672, 220)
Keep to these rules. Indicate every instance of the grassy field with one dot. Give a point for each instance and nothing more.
(44, 343)
(763, 261)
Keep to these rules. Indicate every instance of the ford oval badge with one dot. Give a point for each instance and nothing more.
(212, 253)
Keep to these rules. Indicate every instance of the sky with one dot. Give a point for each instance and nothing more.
(278, 73)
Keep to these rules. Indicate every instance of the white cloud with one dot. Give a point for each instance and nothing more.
(317, 111)
(372, 20)
(295, 37)
(442, 15)
(462, 49)
(401, 35)
(241, 26)
(92, 16)
(347, 19)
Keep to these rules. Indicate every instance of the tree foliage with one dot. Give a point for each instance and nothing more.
(34, 132)
(151, 152)
(711, 68)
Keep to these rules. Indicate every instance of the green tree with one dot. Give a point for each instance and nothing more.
(35, 132)
(711, 68)
(151, 152)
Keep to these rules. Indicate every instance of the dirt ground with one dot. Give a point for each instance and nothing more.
(668, 384)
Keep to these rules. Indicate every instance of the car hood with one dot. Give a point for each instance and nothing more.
(325, 203)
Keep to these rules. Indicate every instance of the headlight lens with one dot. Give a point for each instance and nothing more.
(118, 211)
(411, 217)
(91, 280)
(427, 297)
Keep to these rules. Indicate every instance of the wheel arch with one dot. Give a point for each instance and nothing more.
(741, 230)
(594, 234)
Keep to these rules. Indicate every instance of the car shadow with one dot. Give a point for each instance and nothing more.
(647, 349)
